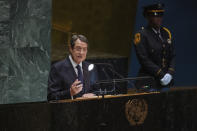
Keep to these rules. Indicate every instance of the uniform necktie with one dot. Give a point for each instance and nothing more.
(159, 34)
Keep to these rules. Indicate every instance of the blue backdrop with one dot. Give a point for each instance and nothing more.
(181, 19)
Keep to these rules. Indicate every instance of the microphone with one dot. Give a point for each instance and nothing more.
(111, 68)
(106, 74)
(102, 66)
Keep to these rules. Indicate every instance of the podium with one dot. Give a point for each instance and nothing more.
(171, 111)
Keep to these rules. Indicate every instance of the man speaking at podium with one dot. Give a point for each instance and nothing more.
(155, 50)
(70, 78)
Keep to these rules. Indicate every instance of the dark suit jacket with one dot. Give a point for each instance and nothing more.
(61, 76)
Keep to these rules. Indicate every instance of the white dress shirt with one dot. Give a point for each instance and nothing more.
(74, 64)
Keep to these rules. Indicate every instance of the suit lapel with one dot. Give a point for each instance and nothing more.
(70, 70)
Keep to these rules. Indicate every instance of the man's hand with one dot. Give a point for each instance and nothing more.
(166, 79)
(89, 95)
(76, 87)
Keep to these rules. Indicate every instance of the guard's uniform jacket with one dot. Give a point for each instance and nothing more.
(155, 52)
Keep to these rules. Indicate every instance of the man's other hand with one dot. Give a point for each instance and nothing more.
(89, 95)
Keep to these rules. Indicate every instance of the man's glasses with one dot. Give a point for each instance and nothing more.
(79, 49)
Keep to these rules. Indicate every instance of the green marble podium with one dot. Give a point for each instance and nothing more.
(171, 111)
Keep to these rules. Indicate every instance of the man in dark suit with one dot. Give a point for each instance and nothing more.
(70, 78)
(155, 50)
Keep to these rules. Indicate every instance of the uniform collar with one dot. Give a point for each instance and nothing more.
(156, 31)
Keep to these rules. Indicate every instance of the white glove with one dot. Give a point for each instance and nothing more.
(166, 79)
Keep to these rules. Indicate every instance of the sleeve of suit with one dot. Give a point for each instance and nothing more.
(171, 68)
(144, 60)
(55, 91)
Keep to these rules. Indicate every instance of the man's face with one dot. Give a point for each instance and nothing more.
(155, 21)
(79, 51)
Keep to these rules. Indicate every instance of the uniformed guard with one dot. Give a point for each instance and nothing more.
(155, 51)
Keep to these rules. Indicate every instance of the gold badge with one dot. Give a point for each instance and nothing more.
(137, 38)
(136, 111)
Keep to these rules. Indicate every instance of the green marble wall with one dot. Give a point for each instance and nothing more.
(25, 27)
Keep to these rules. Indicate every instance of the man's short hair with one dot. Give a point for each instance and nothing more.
(75, 37)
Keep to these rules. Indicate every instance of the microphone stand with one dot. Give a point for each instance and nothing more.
(110, 67)
(104, 92)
